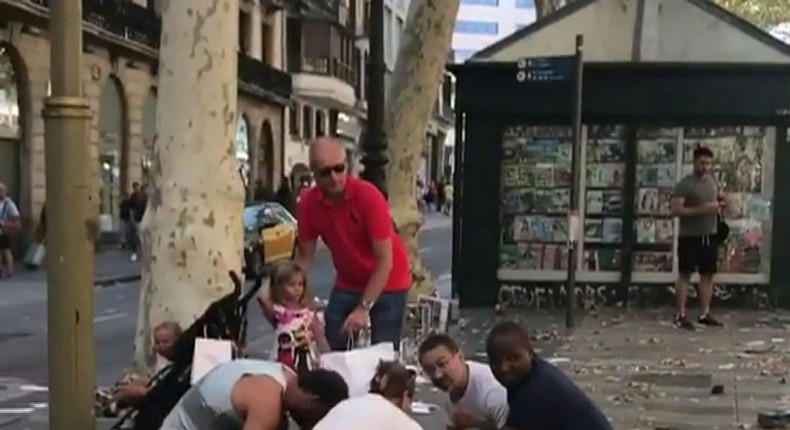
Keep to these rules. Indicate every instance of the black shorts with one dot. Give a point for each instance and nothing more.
(5, 242)
(697, 254)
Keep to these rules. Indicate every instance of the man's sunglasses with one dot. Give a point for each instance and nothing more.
(325, 172)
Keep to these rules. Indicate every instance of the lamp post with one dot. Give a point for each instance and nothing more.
(70, 227)
(374, 144)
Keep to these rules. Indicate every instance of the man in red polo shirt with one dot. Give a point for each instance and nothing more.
(352, 217)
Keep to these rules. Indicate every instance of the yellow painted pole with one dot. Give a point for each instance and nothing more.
(70, 227)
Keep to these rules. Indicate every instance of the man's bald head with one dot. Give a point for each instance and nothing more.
(326, 151)
(328, 163)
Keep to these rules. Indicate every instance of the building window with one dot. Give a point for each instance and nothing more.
(320, 123)
(480, 2)
(244, 31)
(525, 4)
(307, 122)
(293, 120)
(476, 27)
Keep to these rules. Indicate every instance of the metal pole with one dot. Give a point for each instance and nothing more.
(70, 227)
(374, 144)
(573, 217)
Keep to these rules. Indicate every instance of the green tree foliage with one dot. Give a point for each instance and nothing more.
(763, 13)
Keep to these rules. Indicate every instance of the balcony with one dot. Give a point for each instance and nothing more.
(264, 77)
(325, 78)
(139, 24)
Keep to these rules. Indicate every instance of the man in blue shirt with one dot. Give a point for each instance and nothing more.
(540, 396)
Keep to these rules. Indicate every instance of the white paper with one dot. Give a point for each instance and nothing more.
(358, 366)
(209, 353)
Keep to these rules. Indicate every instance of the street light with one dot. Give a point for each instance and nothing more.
(374, 144)
(70, 227)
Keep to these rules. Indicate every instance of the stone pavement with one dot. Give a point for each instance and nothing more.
(646, 374)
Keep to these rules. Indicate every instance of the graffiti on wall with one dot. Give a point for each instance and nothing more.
(590, 296)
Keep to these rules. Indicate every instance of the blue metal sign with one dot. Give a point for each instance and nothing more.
(545, 69)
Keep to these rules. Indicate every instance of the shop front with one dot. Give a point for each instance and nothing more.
(641, 123)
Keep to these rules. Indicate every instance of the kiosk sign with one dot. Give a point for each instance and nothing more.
(545, 69)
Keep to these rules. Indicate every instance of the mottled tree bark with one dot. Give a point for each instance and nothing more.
(192, 232)
(421, 60)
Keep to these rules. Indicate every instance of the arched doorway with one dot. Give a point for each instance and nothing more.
(266, 155)
(10, 122)
(243, 150)
(149, 136)
(112, 152)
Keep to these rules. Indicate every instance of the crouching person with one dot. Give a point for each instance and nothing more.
(256, 394)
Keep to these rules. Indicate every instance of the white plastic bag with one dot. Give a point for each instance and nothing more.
(209, 353)
(358, 366)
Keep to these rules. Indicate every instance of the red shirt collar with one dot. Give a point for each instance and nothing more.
(352, 185)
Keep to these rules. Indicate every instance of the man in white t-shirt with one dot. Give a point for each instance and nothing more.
(477, 400)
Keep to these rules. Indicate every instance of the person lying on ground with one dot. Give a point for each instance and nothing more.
(256, 395)
(385, 407)
(477, 400)
(540, 396)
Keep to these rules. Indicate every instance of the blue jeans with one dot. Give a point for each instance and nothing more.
(386, 317)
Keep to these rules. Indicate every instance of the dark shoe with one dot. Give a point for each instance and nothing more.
(709, 321)
(681, 321)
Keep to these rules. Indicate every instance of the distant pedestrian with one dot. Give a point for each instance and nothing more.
(698, 202)
(477, 399)
(285, 195)
(138, 202)
(9, 224)
(353, 219)
(448, 198)
(540, 396)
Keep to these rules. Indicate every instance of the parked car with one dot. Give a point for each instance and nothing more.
(269, 236)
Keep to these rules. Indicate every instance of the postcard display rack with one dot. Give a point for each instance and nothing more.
(535, 198)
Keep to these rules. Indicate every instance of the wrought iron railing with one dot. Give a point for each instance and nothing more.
(330, 67)
(264, 76)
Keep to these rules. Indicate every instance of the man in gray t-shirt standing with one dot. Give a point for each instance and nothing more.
(697, 201)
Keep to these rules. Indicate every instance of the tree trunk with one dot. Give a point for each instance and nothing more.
(192, 231)
(419, 68)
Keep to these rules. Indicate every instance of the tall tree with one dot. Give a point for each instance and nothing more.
(762, 13)
(192, 231)
(419, 69)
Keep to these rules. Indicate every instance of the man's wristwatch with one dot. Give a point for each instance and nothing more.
(367, 305)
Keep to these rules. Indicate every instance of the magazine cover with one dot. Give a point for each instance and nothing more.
(650, 261)
(665, 230)
(645, 230)
(605, 175)
(602, 259)
(593, 230)
(593, 202)
(612, 230)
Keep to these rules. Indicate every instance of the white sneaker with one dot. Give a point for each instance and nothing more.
(134, 257)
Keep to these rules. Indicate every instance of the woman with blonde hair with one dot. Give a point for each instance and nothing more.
(384, 407)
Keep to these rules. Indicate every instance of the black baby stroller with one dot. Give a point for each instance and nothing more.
(224, 319)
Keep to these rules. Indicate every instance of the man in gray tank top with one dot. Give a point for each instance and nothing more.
(256, 394)
(697, 202)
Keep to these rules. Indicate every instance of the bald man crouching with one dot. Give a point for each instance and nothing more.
(353, 219)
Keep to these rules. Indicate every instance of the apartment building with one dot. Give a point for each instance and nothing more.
(120, 66)
(482, 22)
(328, 55)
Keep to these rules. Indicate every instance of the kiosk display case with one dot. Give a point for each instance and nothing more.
(743, 167)
(535, 196)
(604, 166)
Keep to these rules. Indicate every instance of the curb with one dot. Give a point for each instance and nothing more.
(111, 281)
